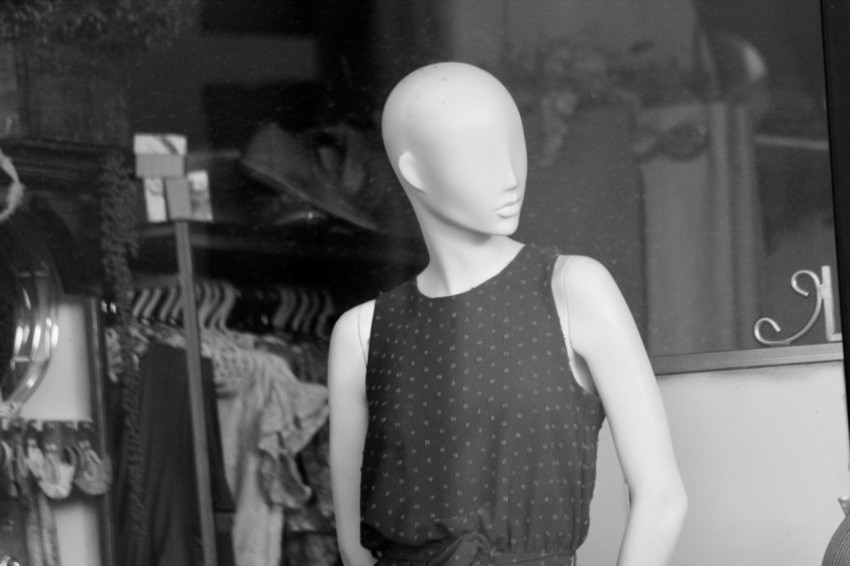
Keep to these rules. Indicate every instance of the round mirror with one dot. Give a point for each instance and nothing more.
(29, 287)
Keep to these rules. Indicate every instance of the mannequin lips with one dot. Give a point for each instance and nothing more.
(510, 209)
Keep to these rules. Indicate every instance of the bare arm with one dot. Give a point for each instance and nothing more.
(604, 334)
(348, 420)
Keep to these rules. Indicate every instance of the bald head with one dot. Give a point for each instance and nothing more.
(440, 101)
(455, 139)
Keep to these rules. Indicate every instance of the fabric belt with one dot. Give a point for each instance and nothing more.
(470, 549)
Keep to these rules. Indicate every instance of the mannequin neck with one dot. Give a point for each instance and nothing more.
(456, 265)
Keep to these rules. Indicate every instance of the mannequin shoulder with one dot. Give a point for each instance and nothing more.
(351, 332)
(356, 317)
(584, 278)
(347, 374)
(592, 297)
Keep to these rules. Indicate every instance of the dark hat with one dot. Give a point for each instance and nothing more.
(291, 164)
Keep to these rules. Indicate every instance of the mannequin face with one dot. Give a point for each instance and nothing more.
(457, 144)
(474, 177)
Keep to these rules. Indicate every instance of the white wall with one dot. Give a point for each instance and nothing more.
(64, 393)
(764, 454)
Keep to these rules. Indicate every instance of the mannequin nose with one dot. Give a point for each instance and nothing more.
(508, 178)
(512, 180)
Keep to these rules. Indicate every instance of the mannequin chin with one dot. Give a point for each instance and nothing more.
(455, 139)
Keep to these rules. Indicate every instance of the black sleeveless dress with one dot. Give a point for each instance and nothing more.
(481, 446)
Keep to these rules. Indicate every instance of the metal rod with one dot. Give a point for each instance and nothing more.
(147, 281)
(97, 361)
(716, 362)
(196, 398)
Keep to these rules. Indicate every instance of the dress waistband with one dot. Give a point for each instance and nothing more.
(471, 549)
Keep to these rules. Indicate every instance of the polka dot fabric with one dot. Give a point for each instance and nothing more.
(481, 446)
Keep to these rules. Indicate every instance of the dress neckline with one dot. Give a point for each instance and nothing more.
(514, 260)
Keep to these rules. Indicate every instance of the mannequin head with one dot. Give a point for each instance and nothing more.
(455, 139)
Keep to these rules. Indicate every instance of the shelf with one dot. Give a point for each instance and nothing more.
(315, 241)
(792, 142)
(354, 262)
(64, 167)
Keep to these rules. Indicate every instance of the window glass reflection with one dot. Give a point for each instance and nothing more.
(681, 142)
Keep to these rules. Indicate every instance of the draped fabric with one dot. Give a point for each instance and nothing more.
(168, 478)
(264, 415)
(703, 233)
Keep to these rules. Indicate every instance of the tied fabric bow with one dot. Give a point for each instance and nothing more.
(54, 475)
(13, 194)
(55, 455)
(93, 474)
(470, 549)
(682, 142)
(473, 549)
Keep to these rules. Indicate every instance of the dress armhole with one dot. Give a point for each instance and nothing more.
(562, 305)
(363, 337)
(581, 373)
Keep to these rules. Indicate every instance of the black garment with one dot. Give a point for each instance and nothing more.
(171, 508)
(838, 550)
(481, 446)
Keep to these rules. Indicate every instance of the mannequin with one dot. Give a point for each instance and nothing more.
(455, 140)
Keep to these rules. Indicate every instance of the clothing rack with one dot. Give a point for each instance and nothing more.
(312, 255)
(222, 305)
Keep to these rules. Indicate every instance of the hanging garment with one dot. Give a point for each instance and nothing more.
(480, 443)
(13, 536)
(267, 417)
(313, 548)
(32, 511)
(309, 530)
(169, 473)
